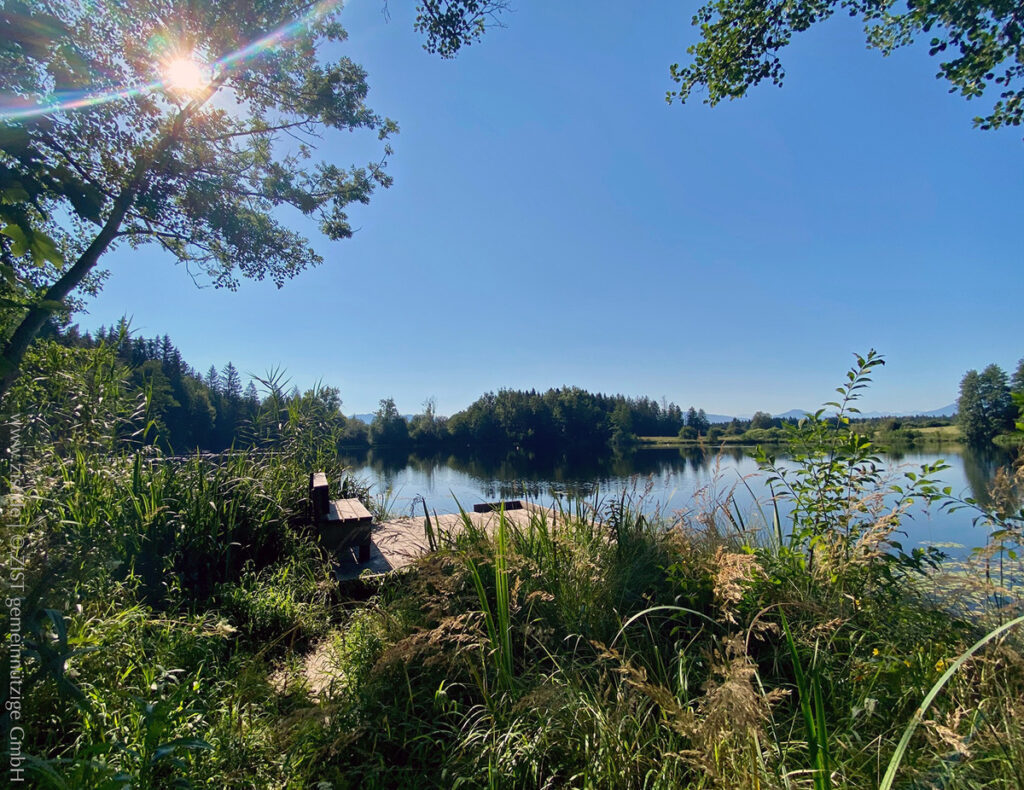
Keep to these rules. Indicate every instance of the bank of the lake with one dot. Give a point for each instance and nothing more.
(939, 436)
(672, 479)
(183, 622)
(611, 646)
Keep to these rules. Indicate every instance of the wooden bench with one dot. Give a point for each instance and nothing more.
(340, 523)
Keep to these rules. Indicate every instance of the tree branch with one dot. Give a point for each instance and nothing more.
(15, 348)
(252, 132)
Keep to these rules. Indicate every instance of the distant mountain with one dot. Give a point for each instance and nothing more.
(793, 414)
(946, 411)
(720, 418)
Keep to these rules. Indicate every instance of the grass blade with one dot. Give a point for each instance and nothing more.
(908, 732)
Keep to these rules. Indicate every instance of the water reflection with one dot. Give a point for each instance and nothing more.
(980, 467)
(533, 474)
(674, 475)
(672, 472)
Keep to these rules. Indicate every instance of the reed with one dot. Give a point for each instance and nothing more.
(180, 628)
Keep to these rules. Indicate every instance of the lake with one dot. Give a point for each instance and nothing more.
(676, 480)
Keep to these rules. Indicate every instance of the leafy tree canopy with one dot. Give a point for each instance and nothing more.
(985, 408)
(388, 426)
(185, 123)
(980, 40)
(450, 25)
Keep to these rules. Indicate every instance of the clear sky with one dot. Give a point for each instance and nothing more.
(554, 222)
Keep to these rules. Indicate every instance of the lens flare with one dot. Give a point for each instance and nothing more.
(185, 75)
(182, 75)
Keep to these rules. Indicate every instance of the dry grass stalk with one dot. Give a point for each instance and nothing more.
(943, 737)
(733, 571)
(443, 645)
(730, 716)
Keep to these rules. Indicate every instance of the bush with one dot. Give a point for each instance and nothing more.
(764, 435)
(285, 601)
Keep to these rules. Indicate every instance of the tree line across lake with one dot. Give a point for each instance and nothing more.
(212, 411)
(189, 410)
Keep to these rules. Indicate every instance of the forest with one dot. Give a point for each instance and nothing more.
(189, 411)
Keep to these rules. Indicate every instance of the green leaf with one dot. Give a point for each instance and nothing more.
(17, 234)
(32, 242)
(14, 193)
(179, 743)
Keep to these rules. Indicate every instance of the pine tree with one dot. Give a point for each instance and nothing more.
(252, 397)
(1017, 382)
(231, 383)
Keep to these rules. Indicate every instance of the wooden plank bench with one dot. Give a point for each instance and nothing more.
(340, 523)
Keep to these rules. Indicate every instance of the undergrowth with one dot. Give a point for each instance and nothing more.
(177, 626)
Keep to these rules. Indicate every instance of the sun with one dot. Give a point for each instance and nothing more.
(186, 76)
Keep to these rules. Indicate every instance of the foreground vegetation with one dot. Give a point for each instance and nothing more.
(178, 626)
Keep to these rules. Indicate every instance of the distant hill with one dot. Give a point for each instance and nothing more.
(717, 418)
(945, 411)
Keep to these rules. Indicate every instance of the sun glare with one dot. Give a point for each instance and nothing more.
(184, 75)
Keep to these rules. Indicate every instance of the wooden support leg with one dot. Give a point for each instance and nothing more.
(364, 551)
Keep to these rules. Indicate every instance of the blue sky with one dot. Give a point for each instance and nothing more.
(554, 222)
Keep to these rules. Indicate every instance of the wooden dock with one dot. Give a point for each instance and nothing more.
(399, 542)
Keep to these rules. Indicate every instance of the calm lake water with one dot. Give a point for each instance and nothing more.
(676, 479)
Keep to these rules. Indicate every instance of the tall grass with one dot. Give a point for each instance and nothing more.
(182, 628)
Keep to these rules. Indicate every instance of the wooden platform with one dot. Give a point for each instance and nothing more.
(399, 542)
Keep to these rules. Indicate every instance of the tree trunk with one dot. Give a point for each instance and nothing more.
(15, 348)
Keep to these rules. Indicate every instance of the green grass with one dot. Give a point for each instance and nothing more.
(666, 441)
(596, 649)
(1010, 440)
(940, 433)
(182, 628)
(675, 441)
